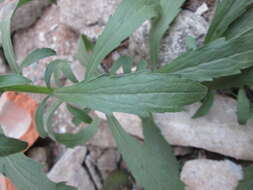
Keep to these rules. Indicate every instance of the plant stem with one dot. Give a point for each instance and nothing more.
(30, 88)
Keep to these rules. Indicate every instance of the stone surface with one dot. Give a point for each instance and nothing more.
(131, 123)
(174, 41)
(3, 66)
(39, 154)
(205, 174)
(103, 137)
(108, 162)
(69, 169)
(218, 131)
(87, 17)
(17, 120)
(49, 32)
(25, 15)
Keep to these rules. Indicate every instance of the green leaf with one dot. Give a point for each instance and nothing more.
(67, 71)
(227, 11)
(5, 25)
(240, 80)
(79, 114)
(51, 68)
(217, 59)
(79, 138)
(63, 186)
(242, 26)
(115, 67)
(138, 93)
(37, 55)
(55, 68)
(10, 146)
(154, 165)
(191, 43)
(26, 174)
(127, 18)
(84, 50)
(142, 66)
(247, 182)
(48, 118)
(117, 180)
(125, 61)
(12, 80)
(39, 118)
(168, 12)
(243, 107)
(206, 105)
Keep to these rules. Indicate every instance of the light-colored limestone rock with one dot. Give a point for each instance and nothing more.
(218, 131)
(87, 17)
(26, 15)
(174, 42)
(69, 169)
(205, 174)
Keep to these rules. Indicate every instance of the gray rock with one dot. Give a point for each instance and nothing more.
(218, 131)
(131, 123)
(103, 137)
(39, 154)
(3, 66)
(69, 169)
(27, 14)
(48, 32)
(87, 17)
(205, 174)
(108, 162)
(173, 44)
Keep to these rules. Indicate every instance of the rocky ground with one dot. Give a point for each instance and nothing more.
(212, 149)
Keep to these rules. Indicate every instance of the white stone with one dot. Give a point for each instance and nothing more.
(174, 42)
(130, 123)
(69, 169)
(205, 174)
(86, 16)
(218, 131)
(27, 14)
(202, 9)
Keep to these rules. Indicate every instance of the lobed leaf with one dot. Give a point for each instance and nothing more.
(55, 68)
(168, 12)
(124, 61)
(79, 138)
(234, 81)
(84, 50)
(206, 105)
(217, 59)
(79, 114)
(142, 66)
(5, 26)
(12, 80)
(138, 93)
(37, 55)
(243, 107)
(10, 146)
(227, 11)
(27, 174)
(127, 18)
(39, 118)
(242, 26)
(154, 165)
